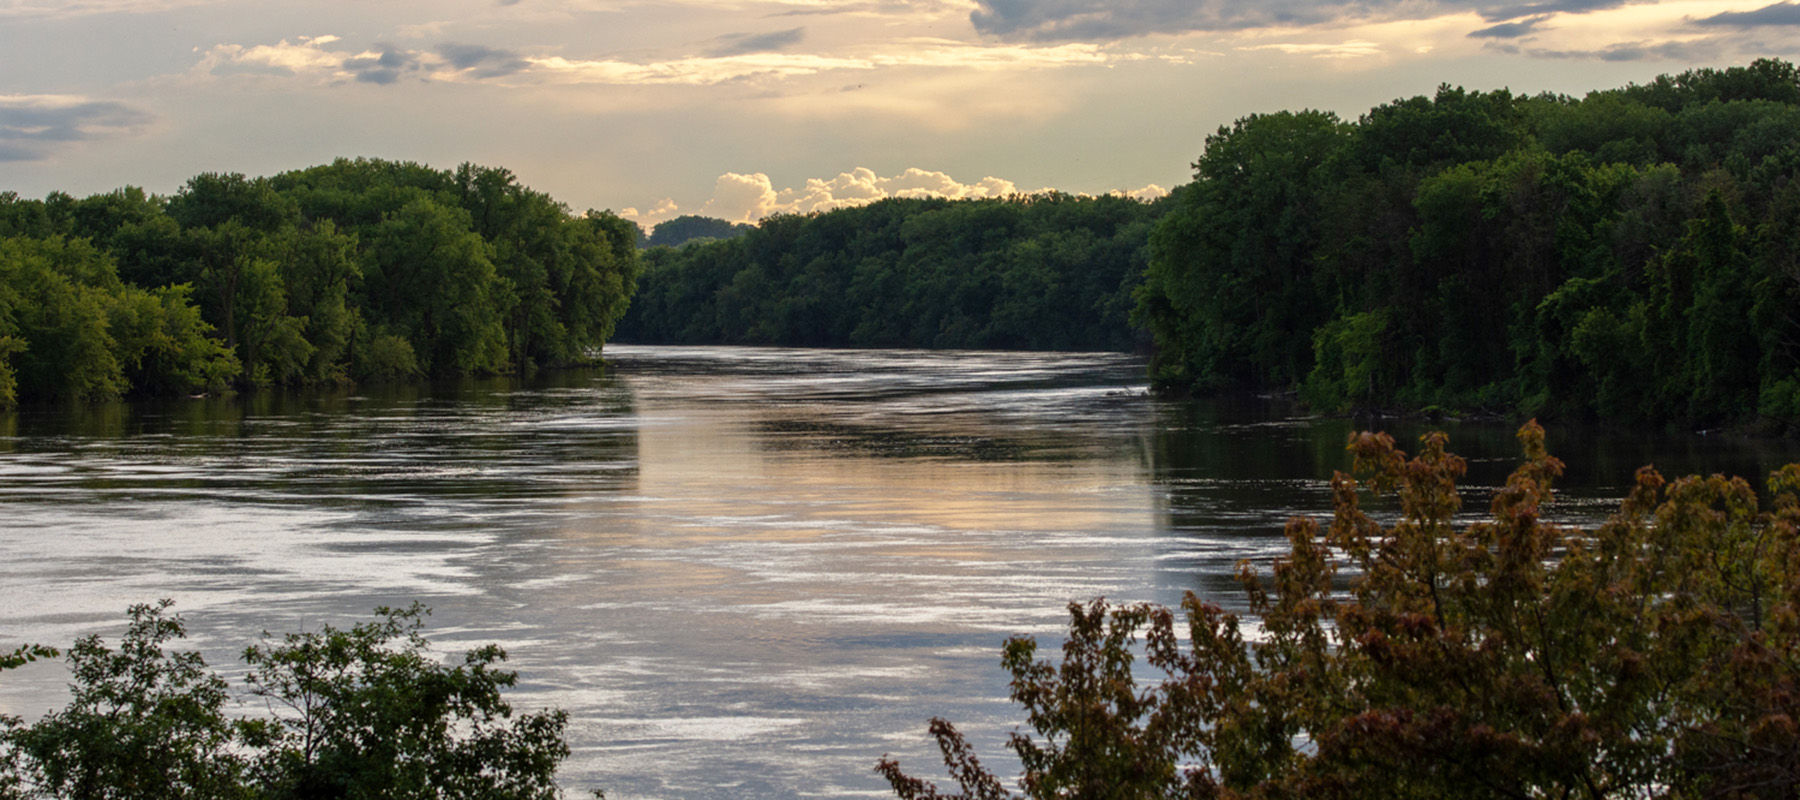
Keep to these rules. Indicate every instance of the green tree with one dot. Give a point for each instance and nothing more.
(1230, 292)
(273, 343)
(688, 228)
(357, 269)
(428, 275)
(318, 270)
(12, 767)
(368, 713)
(1040, 272)
(59, 292)
(165, 347)
(212, 199)
(143, 723)
(1510, 246)
(364, 712)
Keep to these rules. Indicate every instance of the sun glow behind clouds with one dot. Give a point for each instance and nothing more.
(317, 57)
(610, 100)
(1352, 49)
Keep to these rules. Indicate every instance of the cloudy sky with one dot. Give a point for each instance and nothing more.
(741, 108)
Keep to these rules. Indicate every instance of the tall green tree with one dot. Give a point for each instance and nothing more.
(371, 713)
(1611, 256)
(1230, 291)
(142, 723)
(432, 281)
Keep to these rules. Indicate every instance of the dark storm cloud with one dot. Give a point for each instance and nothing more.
(483, 62)
(1784, 13)
(384, 68)
(1628, 51)
(1098, 19)
(1493, 13)
(1090, 20)
(1509, 30)
(31, 129)
(738, 44)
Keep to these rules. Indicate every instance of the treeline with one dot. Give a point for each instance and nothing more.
(359, 270)
(1632, 255)
(1048, 272)
(693, 228)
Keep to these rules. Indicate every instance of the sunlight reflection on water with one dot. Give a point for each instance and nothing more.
(744, 572)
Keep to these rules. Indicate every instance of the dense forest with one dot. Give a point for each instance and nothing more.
(358, 270)
(1629, 255)
(1045, 272)
(1633, 255)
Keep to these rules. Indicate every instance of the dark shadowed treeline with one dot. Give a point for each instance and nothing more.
(1632, 255)
(692, 228)
(1049, 272)
(360, 270)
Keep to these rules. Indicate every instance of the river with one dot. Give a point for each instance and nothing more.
(744, 572)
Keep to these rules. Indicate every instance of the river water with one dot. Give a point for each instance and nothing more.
(743, 572)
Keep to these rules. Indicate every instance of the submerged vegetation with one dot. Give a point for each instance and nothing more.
(1652, 657)
(1630, 255)
(358, 270)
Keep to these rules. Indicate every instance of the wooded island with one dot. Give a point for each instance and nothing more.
(358, 270)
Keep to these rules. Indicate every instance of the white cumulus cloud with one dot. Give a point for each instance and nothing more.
(742, 198)
(303, 55)
(327, 57)
(1146, 194)
(748, 197)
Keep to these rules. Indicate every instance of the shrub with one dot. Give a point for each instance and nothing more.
(1653, 656)
(357, 713)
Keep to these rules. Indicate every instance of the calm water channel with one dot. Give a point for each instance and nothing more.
(744, 572)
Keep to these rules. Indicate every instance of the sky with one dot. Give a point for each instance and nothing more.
(742, 108)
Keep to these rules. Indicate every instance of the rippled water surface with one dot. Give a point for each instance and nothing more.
(744, 572)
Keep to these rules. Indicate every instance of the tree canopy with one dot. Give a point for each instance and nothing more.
(363, 712)
(1626, 255)
(692, 228)
(357, 270)
(1048, 272)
